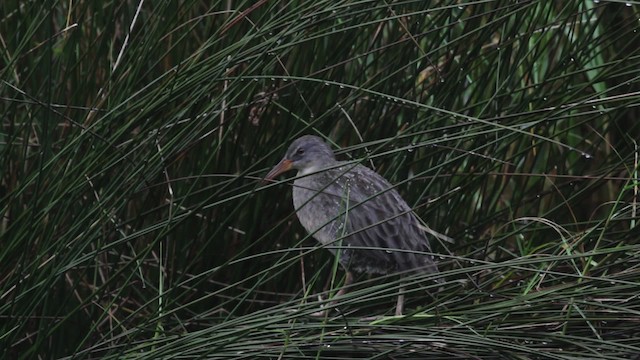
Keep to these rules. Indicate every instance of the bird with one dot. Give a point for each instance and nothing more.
(354, 212)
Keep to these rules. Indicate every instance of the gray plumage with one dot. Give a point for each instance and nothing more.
(350, 206)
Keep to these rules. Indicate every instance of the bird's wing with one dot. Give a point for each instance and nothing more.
(377, 217)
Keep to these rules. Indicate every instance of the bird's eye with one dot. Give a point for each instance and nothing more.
(300, 151)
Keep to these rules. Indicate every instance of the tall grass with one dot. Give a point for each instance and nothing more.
(134, 135)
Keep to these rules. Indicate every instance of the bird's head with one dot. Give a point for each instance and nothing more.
(306, 154)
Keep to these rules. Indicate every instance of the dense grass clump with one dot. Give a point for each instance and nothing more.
(134, 135)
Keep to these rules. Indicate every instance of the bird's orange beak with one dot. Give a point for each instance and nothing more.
(283, 166)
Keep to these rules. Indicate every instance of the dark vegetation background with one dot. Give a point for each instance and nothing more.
(134, 134)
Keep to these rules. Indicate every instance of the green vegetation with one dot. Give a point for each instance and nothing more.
(134, 135)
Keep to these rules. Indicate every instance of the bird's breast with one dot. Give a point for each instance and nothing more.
(318, 208)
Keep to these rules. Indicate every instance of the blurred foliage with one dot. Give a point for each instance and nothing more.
(134, 135)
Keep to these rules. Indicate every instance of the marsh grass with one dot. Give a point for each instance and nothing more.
(134, 135)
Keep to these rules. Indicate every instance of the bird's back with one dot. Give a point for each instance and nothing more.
(350, 206)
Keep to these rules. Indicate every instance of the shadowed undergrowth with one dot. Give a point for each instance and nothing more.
(134, 135)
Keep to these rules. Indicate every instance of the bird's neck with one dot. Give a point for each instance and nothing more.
(308, 170)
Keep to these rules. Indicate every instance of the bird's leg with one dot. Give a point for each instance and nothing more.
(400, 302)
(347, 281)
(343, 290)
